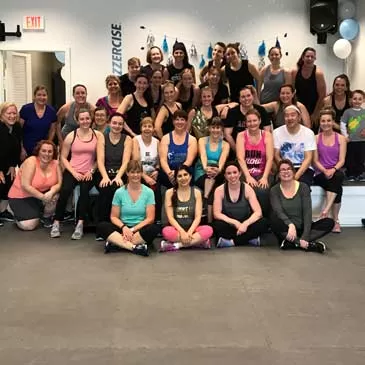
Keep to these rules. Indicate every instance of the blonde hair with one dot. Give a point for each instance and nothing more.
(5, 106)
(147, 120)
(112, 78)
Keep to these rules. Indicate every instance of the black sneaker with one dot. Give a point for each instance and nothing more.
(99, 238)
(47, 222)
(316, 246)
(287, 245)
(68, 217)
(1, 223)
(107, 247)
(6, 216)
(141, 250)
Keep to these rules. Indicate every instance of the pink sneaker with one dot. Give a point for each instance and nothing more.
(167, 246)
(336, 228)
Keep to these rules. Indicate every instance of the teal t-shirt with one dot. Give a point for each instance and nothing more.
(132, 213)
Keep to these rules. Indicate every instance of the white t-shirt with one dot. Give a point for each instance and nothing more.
(293, 146)
(149, 155)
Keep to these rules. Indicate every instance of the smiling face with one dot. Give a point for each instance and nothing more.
(46, 153)
(326, 123)
(309, 58)
(80, 95)
(187, 79)
(116, 124)
(100, 118)
(169, 93)
(292, 118)
(339, 86)
(178, 55)
(84, 120)
(218, 52)
(133, 69)
(134, 176)
(246, 98)
(232, 175)
(275, 56)
(231, 55)
(113, 86)
(180, 124)
(214, 76)
(286, 172)
(183, 178)
(215, 131)
(141, 84)
(156, 56)
(357, 100)
(157, 78)
(252, 122)
(9, 115)
(206, 97)
(41, 97)
(286, 95)
(147, 129)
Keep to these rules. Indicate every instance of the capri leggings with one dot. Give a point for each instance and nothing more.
(171, 233)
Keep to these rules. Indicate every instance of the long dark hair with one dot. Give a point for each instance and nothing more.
(300, 61)
(147, 94)
(174, 191)
(294, 100)
(347, 82)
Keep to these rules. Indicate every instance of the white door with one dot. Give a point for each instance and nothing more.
(18, 78)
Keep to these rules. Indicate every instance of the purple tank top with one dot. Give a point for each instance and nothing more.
(328, 155)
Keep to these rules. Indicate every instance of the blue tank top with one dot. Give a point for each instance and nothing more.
(176, 153)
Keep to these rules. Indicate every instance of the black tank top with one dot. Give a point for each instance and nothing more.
(238, 79)
(113, 154)
(175, 73)
(339, 112)
(156, 103)
(135, 114)
(240, 209)
(168, 125)
(306, 90)
(187, 105)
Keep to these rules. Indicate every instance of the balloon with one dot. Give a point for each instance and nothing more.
(342, 48)
(347, 10)
(349, 29)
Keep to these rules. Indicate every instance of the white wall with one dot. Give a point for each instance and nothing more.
(85, 29)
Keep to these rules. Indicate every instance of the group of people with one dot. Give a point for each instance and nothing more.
(232, 157)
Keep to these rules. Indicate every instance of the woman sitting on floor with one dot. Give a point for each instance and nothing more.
(33, 195)
(237, 212)
(183, 205)
(132, 215)
(292, 213)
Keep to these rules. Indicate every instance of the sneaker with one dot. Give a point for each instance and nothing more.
(255, 241)
(47, 222)
(99, 238)
(287, 245)
(361, 178)
(167, 246)
(224, 242)
(55, 231)
(68, 216)
(336, 228)
(351, 178)
(141, 250)
(1, 223)
(107, 247)
(206, 245)
(316, 246)
(6, 216)
(78, 232)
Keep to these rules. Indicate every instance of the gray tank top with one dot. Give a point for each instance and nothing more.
(184, 212)
(272, 84)
(71, 123)
(279, 120)
(113, 154)
(240, 209)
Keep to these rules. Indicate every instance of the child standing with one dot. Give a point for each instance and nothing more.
(353, 128)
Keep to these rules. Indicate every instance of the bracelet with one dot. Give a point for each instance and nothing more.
(334, 167)
(121, 228)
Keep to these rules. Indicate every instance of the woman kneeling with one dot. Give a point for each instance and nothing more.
(132, 215)
(183, 205)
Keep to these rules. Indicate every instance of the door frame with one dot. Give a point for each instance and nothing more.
(19, 48)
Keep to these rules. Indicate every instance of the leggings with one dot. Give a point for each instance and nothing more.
(171, 233)
(68, 185)
(4, 188)
(355, 158)
(334, 184)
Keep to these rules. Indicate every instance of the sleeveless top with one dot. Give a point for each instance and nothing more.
(168, 124)
(306, 89)
(255, 155)
(113, 154)
(272, 83)
(104, 103)
(39, 181)
(83, 153)
(149, 155)
(339, 112)
(238, 79)
(176, 153)
(212, 157)
(135, 114)
(71, 123)
(279, 120)
(184, 212)
(156, 103)
(200, 123)
(240, 209)
(328, 155)
(186, 105)
(175, 73)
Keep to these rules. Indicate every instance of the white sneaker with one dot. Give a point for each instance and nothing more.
(55, 231)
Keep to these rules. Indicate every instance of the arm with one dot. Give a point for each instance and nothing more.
(321, 90)
(271, 107)
(198, 212)
(28, 171)
(308, 156)
(160, 120)
(269, 149)
(66, 147)
(202, 152)
(192, 151)
(305, 115)
(127, 153)
(277, 156)
(276, 205)
(260, 82)
(115, 216)
(196, 97)
(224, 155)
(163, 154)
(255, 74)
(228, 137)
(170, 212)
(343, 150)
(100, 158)
(126, 104)
(56, 188)
(191, 116)
(56, 130)
(255, 206)
(217, 208)
(287, 76)
(241, 156)
(307, 210)
(166, 74)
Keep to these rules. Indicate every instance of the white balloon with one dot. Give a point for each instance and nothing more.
(347, 10)
(342, 48)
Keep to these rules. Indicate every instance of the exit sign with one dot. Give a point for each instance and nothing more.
(33, 22)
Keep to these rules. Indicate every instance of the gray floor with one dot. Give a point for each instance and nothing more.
(65, 302)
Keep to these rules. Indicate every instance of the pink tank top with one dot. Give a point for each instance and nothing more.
(255, 155)
(83, 154)
(39, 181)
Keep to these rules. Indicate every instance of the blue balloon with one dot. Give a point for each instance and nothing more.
(349, 29)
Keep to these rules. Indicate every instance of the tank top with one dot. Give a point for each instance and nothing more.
(168, 124)
(306, 89)
(279, 120)
(39, 181)
(187, 105)
(135, 114)
(149, 155)
(200, 123)
(71, 123)
(238, 79)
(272, 84)
(255, 154)
(240, 209)
(175, 73)
(184, 212)
(113, 154)
(176, 154)
(157, 102)
(328, 155)
(104, 103)
(83, 154)
(339, 112)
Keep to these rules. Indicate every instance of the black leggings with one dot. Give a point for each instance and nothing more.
(200, 183)
(226, 230)
(334, 184)
(68, 185)
(355, 158)
(318, 229)
(4, 188)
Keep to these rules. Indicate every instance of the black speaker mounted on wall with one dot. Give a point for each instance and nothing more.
(323, 18)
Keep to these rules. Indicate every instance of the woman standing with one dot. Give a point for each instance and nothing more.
(81, 145)
(154, 58)
(286, 98)
(309, 83)
(164, 121)
(132, 215)
(33, 195)
(255, 154)
(272, 77)
(292, 219)
(37, 119)
(188, 92)
(10, 149)
(156, 89)
(114, 98)
(113, 154)
(239, 73)
(328, 159)
(128, 80)
(136, 106)
(183, 205)
(237, 212)
(217, 61)
(215, 83)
